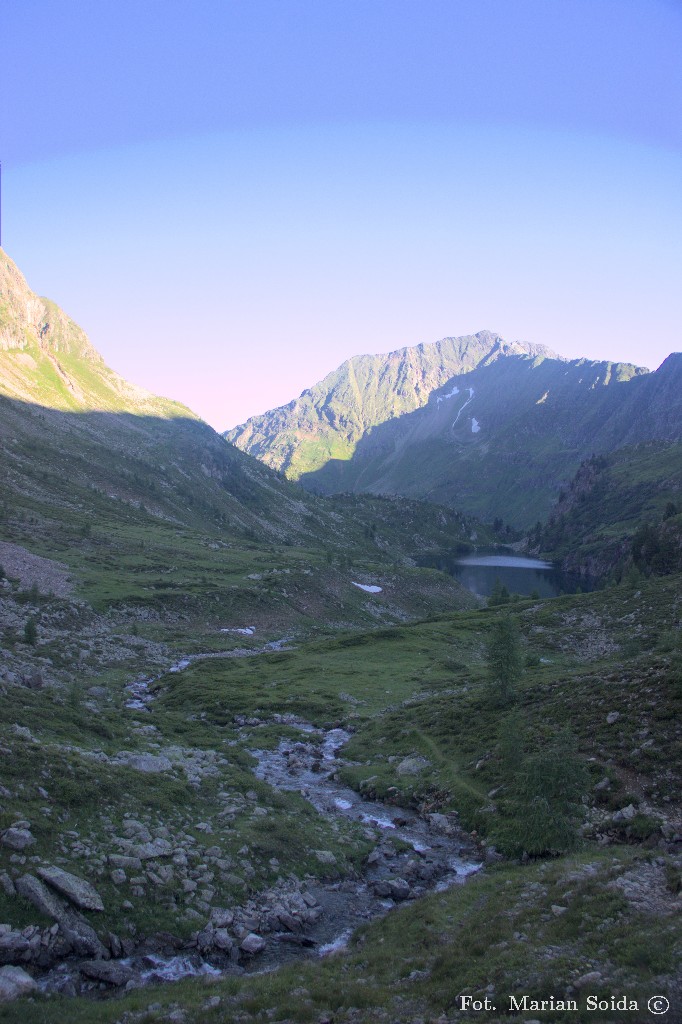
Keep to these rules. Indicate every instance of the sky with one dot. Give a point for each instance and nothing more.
(234, 196)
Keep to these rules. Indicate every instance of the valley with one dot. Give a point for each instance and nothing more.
(245, 724)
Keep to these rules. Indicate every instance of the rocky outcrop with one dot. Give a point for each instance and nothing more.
(78, 936)
(77, 890)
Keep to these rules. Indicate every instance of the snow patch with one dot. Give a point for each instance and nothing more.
(243, 630)
(367, 589)
(475, 426)
(468, 401)
(450, 394)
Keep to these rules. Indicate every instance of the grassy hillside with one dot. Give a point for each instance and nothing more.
(600, 919)
(621, 512)
(172, 611)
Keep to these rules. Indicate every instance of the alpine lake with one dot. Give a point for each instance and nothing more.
(481, 571)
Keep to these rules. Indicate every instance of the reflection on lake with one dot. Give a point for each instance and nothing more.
(479, 573)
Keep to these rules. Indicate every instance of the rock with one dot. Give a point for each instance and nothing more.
(399, 889)
(591, 978)
(440, 822)
(77, 932)
(252, 943)
(221, 918)
(413, 765)
(132, 827)
(15, 982)
(149, 851)
(119, 861)
(149, 763)
(83, 938)
(12, 946)
(40, 896)
(6, 884)
(97, 691)
(325, 856)
(625, 813)
(604, 784)
(222, 939)
(205, 939)
(109, 971)
(76, 889)
(17, 838)
(612, 717)
(118, 876)
(558, 910)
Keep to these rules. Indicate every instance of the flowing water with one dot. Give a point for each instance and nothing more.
(433, 855)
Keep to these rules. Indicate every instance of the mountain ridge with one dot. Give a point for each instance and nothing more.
(409, 433)
(47, 358)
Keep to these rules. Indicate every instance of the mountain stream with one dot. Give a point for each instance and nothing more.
(432, 853)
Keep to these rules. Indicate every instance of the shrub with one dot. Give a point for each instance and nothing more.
(504, 658)
(546, 800)
(31, 632)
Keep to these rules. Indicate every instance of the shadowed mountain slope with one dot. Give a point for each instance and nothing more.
(496, 436)
(144, 501)
(330, 419)
(621, 511)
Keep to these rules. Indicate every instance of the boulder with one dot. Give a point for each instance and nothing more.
(77, 933)
(76, 889)
(120, 861)
(625, 814)
(222, 939)
(40, 896)
(109, 971)
(6, 884)
(150, 851)
(591, 978)
(15, 982)
(17, 838)
(399, 889)
(12, 946)
(252, 943)
(149, 763)
(412, 765)
(221, 917)
(325, 856)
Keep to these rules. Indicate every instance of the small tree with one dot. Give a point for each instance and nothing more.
(504, 657)
(31, 632)
(498, 595)
(549, 787)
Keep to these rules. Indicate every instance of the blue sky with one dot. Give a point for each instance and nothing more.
(232, 197)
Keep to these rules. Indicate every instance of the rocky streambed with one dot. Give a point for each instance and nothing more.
(411, 856)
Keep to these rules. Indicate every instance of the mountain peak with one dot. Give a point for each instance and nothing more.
(28, 321)
(46, 358)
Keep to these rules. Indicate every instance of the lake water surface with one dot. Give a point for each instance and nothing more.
(480, 571)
